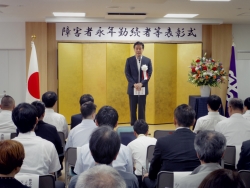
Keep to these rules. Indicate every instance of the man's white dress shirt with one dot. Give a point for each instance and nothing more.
(247, 115)
(6, 123)
(40, 155)
(80, 134)
(138, 148)
(58, 120)
(208, 122)
(85, 160)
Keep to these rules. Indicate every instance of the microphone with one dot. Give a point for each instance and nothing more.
(139, 59)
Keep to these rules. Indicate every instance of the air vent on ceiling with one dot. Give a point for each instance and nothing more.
(244, 14)
(3, 6)
(126, 16)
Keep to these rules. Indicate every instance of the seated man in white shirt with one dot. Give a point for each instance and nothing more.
(247, 109)
(6, 123)
(209, 121)
(79, 135)
(104, 146)
(51, 117)
(40, 155)
(107, 115)
(236, 129)
(138, 147)
(210, 147)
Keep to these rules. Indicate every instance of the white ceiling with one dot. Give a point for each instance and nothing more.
(236, 11)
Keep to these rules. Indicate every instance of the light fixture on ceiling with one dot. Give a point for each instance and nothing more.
(210, 0)
(69, 14)
(180, 15)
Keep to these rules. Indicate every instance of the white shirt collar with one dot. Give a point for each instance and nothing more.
(213, 113)
(247, 112)
(49, 110)
(28, 134)
(182, 128)
(141, 135)
(236, 115)
(6, 111)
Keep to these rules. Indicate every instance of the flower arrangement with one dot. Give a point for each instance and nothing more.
(206, 72)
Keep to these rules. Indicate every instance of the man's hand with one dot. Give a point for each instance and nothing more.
(144, 176)
(138, 86)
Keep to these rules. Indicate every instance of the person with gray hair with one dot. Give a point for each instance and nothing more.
(236, 128)
(101, 176)
(209, 146)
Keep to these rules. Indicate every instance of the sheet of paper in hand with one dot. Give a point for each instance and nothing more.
(141, 92)
(30, 180)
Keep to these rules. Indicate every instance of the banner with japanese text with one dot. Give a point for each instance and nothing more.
(130, 32)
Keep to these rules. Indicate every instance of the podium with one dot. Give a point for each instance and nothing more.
(199, 104)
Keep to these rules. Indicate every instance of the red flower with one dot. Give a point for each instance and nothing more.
(213, 60)
(193, 69)
(204, 68)
(198, 60)
(214, 68)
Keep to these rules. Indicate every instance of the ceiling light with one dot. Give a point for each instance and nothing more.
(69, 14)
(180, 15)
(210, 0)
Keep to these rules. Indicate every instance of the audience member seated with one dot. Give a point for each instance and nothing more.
(107, 177)
(236, 129)
(244, 161)
(45, 130)
(77, 118)
(222, 178)
(138, 147)
(11, 160)
(40, 155)
(58, 120)
(209, 121)
(6, 123)
(210, 147)
(175, 152)
(105, 116)
(79, 135)
(104, 145)
(247, 109)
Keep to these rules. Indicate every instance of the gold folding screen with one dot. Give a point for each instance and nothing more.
(98, 69)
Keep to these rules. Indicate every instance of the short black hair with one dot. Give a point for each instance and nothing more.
(107, 115)
(140, 127)
(85, 98)
(24, 117)
(7, 102)
(104, 145)
(87, 109)
(49, 99)
(247, 103)
(139, 43)
(185, 115)
(214, 102)
(40, 107)
(236, 104)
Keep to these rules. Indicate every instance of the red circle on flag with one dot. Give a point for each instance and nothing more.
(33, 85)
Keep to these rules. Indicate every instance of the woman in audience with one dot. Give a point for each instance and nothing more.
(11, 160)
(222, 178)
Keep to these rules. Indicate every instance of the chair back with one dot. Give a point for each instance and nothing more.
(62, 137)
(165, 179)
(70, 161)
(245, 176)
(12, 135)
(46, 181)
(162, 133)
(149, 156)
(229, 157)
(126, 134)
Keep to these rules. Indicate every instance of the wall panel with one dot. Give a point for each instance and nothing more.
(70, 73)
(116, 80)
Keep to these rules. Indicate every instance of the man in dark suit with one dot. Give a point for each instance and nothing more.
(175, 152)
(138, 78)
(77, 118)
(244, 161)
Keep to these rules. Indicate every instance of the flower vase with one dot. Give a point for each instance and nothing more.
(205, 91)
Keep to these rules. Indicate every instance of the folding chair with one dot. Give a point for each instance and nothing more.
(70, 161)
(245, 176)
(126, 134)
(165, 179)
(62, 137)
(228, 159)
(149, 156)
(47, 181)
(162, 133)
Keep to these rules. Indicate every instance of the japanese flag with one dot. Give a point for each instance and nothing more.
(33, 87)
